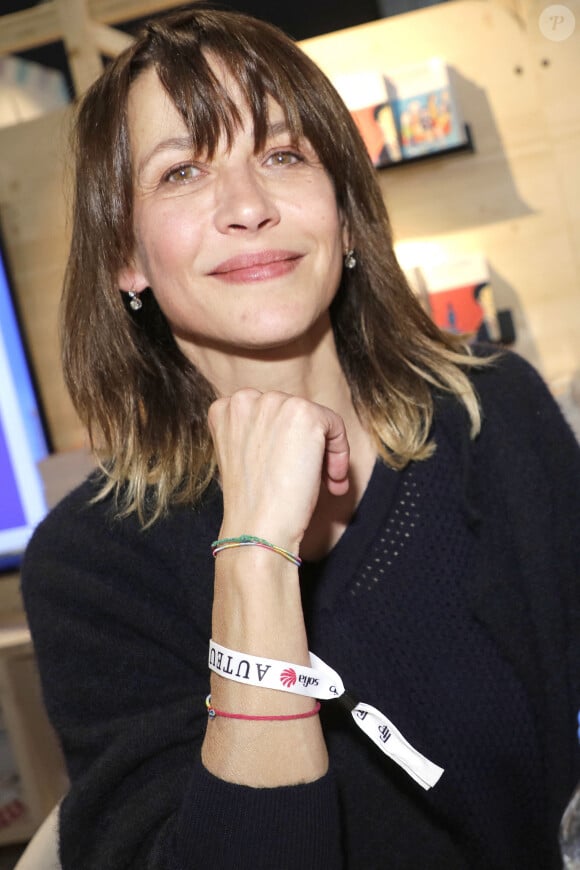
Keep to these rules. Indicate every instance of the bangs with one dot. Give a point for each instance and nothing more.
(209, 109)
(263, 64)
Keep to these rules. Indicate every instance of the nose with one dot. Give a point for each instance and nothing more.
(244, 203)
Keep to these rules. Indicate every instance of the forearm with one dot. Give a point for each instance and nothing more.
(273, 450)
(257, 610)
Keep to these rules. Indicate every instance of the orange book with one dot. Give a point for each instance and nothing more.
(460, 296)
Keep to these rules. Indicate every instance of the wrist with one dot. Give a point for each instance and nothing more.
(267, 528)
(257, 603)
(222, 545)
(261, 574)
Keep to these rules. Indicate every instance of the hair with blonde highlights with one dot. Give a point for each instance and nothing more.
(144, 404)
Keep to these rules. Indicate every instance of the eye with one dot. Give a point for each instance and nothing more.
(283, 158)
(180, 174)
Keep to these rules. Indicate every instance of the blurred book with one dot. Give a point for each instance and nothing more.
(404, 113)
(425, 108)
(365, 94)
(460, 296)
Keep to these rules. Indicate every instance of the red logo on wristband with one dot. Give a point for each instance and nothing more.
(288, 677)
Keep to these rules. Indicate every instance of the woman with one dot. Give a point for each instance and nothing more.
(266, 386)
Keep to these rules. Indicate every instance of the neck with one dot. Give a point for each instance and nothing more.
(308, 367)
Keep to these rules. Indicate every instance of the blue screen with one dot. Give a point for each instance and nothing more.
(23, 442)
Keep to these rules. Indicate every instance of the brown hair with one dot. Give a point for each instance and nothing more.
(144, 404)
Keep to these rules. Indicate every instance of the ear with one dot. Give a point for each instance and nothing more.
(131, 278)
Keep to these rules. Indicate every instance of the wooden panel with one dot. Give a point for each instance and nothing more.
(11, 606)
(28, 29)
(41, 25)
(115, 11)
(109, 40)
(83, 57)
(518, 197)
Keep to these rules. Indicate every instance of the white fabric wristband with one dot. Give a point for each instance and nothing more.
(322, 682)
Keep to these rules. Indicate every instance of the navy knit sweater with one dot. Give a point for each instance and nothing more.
(452, 603)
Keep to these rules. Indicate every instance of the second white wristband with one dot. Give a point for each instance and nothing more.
(322, 682)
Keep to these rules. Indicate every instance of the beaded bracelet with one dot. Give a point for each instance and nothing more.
(212, 713)
(252, 541)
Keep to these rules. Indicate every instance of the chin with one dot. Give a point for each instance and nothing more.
(271, 342)
(285, 331)
(267, 332)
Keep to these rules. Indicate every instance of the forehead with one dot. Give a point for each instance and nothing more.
(153, 116)
(149, 107)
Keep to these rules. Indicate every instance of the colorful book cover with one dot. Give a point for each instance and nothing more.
(365, 94)
(425, 108)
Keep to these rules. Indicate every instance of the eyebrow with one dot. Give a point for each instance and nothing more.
(277, 128)
(174, 143)
(183, 143)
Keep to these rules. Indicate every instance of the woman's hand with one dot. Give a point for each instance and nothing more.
(274, 451)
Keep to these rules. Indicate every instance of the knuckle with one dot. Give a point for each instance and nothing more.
(298, 405)
(273, 399)
(245, 396)
(307, 415)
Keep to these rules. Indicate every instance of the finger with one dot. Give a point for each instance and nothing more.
(336, 455)
(216, 412)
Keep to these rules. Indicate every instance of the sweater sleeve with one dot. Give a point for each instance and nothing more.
(536, 445)
(120, 621)
(535, 458)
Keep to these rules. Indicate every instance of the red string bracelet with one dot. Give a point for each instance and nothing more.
(212, 713)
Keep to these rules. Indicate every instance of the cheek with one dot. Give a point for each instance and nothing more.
(167, 240)
(331, 220)
(332, 236)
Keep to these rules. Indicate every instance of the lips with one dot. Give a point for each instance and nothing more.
(258, 266)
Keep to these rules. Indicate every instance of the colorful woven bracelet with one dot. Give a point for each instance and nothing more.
(251, 541)
(212, 713)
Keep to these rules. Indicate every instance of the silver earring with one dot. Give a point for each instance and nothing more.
(349, 260)
(134, 301)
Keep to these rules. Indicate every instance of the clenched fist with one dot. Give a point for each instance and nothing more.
(274, 451)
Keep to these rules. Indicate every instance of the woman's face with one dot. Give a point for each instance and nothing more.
(244, 251)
